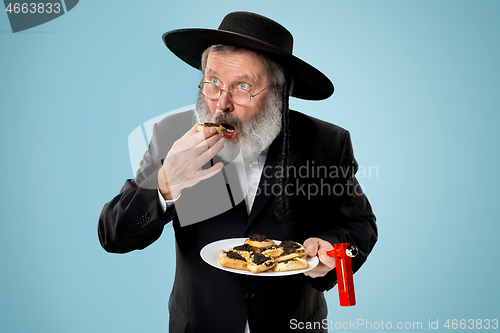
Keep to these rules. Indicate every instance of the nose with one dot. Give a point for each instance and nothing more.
(225, 104)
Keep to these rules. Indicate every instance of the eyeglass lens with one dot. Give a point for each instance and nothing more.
(238, 96)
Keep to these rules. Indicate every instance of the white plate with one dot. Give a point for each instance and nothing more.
(210, 254)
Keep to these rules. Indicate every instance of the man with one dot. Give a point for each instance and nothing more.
(281, 173)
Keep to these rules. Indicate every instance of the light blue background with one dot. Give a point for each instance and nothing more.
(417, 84)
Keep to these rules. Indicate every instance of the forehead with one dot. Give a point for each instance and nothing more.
(236, 65)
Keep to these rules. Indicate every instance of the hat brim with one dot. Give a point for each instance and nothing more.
(189, 44)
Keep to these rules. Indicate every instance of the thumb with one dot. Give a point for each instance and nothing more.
(311, 245)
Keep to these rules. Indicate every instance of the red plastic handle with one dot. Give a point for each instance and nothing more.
(344, 274)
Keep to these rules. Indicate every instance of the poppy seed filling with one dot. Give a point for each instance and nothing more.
(244, 247)
(258, 238)
(259, 259)
(289, 245)
(234, 255)
(211, 124)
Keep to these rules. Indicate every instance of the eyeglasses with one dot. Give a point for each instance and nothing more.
(237, 95)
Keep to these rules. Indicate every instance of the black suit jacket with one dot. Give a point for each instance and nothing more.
(325, 202)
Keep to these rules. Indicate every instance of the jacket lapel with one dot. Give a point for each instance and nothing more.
(234, 188)
(269, 179)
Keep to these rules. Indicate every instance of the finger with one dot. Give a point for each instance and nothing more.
(324, 245)
(206, 156)
(200, 175)
(312, 245)
(190, 154)
(207, 143)
(326, 264)
(318, 271)
(192, 138)
(326, 260)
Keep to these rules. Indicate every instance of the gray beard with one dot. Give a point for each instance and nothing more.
(252, 138)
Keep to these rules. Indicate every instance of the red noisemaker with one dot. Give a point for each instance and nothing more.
(343, 253)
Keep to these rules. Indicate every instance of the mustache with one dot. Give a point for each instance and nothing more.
(227, 119)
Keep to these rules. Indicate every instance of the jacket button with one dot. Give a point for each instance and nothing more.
(144, 218)
(249, 295)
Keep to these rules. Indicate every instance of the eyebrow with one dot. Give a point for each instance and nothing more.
(238, 77)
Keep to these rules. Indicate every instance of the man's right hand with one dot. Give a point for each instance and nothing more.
(182, 166)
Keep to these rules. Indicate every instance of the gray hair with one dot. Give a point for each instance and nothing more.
(274, 72)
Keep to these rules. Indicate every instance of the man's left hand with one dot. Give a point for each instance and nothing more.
(318, 247)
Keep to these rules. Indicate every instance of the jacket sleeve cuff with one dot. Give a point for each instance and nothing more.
(166, 210)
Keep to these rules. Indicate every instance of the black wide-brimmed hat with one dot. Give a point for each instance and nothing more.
(257, 33)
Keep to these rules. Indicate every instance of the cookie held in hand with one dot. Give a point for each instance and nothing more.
(228, 131)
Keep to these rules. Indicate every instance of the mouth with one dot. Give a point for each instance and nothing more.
(231, 131)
